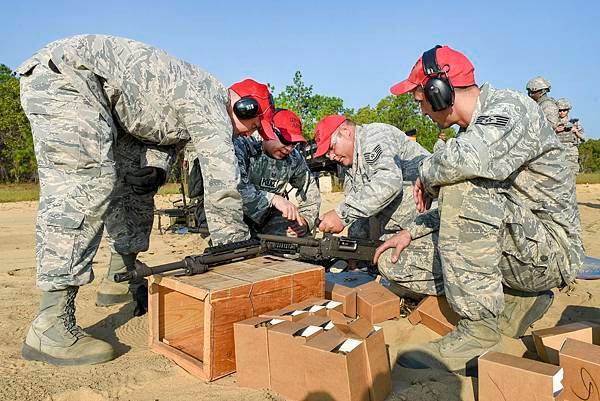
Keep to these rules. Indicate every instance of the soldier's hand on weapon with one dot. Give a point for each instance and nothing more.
(560, 128)
(331, 223)
(287, 209)
(422, 199)
(298, 230)
(398, 241)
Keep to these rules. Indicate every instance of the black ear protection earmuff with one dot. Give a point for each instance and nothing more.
(246, 108)
(438, 89)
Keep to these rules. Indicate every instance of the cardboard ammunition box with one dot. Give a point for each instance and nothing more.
(335, 368)
(376, 303)
(581, 363)
(435, 313)
(343, 294)
(378, 367)
(251, 351)
(504, 377)
(299, 310)
(549, 341)
(286, 357)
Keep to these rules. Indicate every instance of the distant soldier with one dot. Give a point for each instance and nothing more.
(108, 115)
(570, 133)
(269, 171)
(381, 163)
(538, 89)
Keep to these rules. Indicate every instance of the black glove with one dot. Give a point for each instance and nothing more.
(146, 180)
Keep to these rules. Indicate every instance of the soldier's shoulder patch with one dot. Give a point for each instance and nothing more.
(495, 120)
(372, 156)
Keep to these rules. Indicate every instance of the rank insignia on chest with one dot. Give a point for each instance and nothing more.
(373, 156)
(268, 183)
(495, 120)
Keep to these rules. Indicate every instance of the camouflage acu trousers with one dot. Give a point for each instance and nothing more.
(81, 179)
(486, 240)
(572, 157)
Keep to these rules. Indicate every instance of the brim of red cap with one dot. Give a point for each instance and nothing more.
(403, 87)
(294, 138)
(266, 130)
(266, 123)
(322, 149)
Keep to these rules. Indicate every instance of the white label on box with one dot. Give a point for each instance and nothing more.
(309, 331)
(314, 308)
(332, 304)
(329, 326)
(275, 321)
(349, 345)
(557, 381)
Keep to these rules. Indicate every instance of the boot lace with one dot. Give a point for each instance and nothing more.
(68, 316)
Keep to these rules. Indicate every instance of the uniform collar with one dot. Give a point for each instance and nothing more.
(484, 93)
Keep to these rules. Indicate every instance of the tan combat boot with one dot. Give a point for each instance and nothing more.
(54, 336)
(111, 293)
(522, 309)
(457, 351)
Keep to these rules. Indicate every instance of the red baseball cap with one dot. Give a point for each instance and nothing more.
(458, 68)
(324, 130)
(289, 126)
(250, 88)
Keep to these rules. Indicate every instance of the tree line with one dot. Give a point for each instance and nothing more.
(17, 158)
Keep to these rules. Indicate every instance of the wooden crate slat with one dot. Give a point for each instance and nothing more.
(191, 317)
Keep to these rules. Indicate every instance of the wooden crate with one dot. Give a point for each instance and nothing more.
(191, 318)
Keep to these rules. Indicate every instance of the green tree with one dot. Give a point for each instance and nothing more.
(17, 158)
(310, 107)
(589, 156)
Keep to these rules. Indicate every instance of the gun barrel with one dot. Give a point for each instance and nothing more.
(290, 240)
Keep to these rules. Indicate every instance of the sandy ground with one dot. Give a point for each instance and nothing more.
(138, 374)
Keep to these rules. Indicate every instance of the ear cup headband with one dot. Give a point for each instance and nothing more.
(438, 89)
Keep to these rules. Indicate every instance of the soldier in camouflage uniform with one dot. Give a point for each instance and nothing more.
(570, 133)
(509, 227)
(267, 169)
(538, 89)
(381, 163)
(107, 115)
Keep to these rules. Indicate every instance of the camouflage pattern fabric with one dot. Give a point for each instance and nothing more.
(570, 142)
(262, 177)
(508, 212)
(385, 163)
(550, 109)
(78, 93)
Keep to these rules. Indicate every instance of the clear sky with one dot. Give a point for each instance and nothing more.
(352, 49)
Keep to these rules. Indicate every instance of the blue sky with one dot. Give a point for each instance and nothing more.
(354, 50)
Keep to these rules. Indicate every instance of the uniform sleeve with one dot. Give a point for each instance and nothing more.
(211, 132)
(492, 147)
(439, 144)
(307, 192)
(424, 224)
(550, 110)
(257, 203)
(382, 185)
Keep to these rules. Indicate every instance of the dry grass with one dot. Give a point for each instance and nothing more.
(31, 192)
(588, 178)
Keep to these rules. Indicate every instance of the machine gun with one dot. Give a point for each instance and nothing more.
(314, 250)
